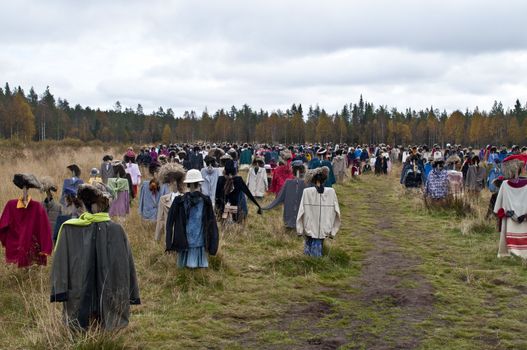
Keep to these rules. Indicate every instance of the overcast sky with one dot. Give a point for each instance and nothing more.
(197, 54)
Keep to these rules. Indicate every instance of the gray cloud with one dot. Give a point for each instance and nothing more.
(197, 54)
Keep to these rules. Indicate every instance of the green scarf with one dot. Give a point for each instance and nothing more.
(86, 219)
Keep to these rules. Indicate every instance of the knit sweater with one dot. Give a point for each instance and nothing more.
(290, 195)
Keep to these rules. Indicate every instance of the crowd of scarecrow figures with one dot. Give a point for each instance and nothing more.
(190, 190)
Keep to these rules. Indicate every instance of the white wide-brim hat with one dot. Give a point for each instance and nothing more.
(193, 176)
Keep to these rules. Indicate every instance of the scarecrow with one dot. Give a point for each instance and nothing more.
(257, 178)
(291, 194)
(281, 173)
(71, 184)
(171, 175)
(192, 230)
(53, 209)
(511, 207)
(24, 227)
(106, 168)
(319, 213)
(93, 272)
(121, 185)
(149, 195)
(230, 195)
(210, 175)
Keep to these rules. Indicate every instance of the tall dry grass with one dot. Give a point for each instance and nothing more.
(261, 247)
(28, 318)
(468, 212)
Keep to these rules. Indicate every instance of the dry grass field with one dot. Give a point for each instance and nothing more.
(396, 276)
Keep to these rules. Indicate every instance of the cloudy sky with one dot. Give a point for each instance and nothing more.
(197, 54)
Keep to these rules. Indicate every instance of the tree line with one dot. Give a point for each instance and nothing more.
(30, 117)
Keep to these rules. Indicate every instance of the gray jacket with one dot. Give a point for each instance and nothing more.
(93, 273)
(53, 209)
(106, 172)
(290, 195)
(475, 180)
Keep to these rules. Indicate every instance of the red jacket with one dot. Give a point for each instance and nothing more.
(280, 175)
(25, 233)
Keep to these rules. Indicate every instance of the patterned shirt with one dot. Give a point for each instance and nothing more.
(437, 184)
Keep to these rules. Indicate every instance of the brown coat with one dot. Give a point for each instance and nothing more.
(162, 214)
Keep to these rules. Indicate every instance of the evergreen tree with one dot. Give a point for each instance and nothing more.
(7, 90)
(117, 107)
(139, 110)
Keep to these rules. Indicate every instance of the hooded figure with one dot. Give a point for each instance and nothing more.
(291, 194)
(93, 270)
(319, 212)
(24, 228)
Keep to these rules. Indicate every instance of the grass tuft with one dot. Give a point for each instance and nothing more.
(333, 259)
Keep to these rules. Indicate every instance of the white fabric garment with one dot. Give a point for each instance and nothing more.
(257, 183)
(319, 213)
(165, 202)
(135, 173)
(208, 186)
(513, 235)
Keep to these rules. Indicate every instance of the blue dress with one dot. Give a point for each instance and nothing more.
(195, 256)
(148, 202)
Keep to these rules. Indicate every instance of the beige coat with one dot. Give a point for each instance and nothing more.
(162, 213)
(319, 214)
(257, 183)
(339, 168)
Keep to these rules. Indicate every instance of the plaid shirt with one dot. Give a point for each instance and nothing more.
(437, 184)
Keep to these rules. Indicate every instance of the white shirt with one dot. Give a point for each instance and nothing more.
(135, 173)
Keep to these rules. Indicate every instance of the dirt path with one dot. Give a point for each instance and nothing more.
(379, 309)
(391, 285)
